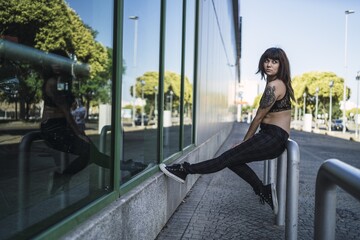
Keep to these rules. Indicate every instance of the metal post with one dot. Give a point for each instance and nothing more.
(304, 95)
(102, 148)
(357, 107)
(331, 84)
(65, 197)
(292, 190)
(272, 169)
(347, 12)
(281, 188)
(135, 18)
(23, 176)
(331, 173)
(266, 172)
(316, 108)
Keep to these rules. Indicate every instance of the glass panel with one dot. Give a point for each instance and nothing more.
(189, 72)
(139, 103)
(55, 98)
(172, 83)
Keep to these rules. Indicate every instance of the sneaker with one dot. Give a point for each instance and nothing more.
(268, 194)
(176, 172)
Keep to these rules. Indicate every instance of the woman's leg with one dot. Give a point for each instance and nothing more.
(261, 146)
(246, 173)
(88, 153)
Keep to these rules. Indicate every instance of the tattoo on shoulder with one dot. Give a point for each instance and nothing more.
(268, 97)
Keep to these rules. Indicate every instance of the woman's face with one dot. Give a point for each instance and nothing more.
(271, 67)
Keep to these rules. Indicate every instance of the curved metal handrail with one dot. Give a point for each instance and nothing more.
(331, 174)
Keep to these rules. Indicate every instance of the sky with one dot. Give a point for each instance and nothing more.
(311, 32)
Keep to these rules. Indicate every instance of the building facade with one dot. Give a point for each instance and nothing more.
(158, 81)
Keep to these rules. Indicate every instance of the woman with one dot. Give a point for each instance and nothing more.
(273, 117)
(61, 132)
(59, 129)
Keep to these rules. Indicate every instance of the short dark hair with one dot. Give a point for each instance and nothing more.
(284, 68)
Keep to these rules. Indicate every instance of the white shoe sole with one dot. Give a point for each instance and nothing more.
(169, 174)
(274, 198)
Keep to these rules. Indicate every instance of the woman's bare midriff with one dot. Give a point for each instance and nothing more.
(280, 119)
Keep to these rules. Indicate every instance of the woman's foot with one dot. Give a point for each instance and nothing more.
(268, 194)
(176, 172)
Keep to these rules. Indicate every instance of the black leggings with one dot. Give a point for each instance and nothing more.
(268, 143)
(58, 135)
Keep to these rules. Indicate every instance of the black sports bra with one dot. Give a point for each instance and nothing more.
(282, 104)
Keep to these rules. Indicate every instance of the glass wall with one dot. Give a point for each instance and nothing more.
(55, 110)
(57, 99)
(140, 86)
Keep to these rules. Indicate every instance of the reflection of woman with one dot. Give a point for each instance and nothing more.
(59, 129)
(273, 117)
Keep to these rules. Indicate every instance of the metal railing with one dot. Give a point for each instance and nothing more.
(102, 148)
(332, 173)
(287, 184)
(19, 52)
(23, 175)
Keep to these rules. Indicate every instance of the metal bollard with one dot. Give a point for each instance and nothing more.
(332, 173)
(23, 176)
(266, 172)
(287, 185)
(292, 190)
(102, 148)
(281, 188)
(269, 171)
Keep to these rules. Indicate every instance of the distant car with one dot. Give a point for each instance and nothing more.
(137, 120)
(337, 125)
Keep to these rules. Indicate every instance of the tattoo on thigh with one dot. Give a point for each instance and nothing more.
(268, 97)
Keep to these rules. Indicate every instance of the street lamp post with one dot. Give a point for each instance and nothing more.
(347, 12)
(135, 18)
(156, 107)
(316, 107)
(304, 111)
(331, 84)
(142, 102)
(171, 98)
(357, 106)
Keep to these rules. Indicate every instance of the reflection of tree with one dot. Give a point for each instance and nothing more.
(49, 25)
(171, 83)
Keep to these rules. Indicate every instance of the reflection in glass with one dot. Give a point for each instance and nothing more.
(52, 111)
(140, 83)
(172, 79)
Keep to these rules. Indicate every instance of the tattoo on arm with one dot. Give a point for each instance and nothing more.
(268, 97)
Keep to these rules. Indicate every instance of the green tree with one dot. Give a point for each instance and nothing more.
(49, 25)
(309, 82)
